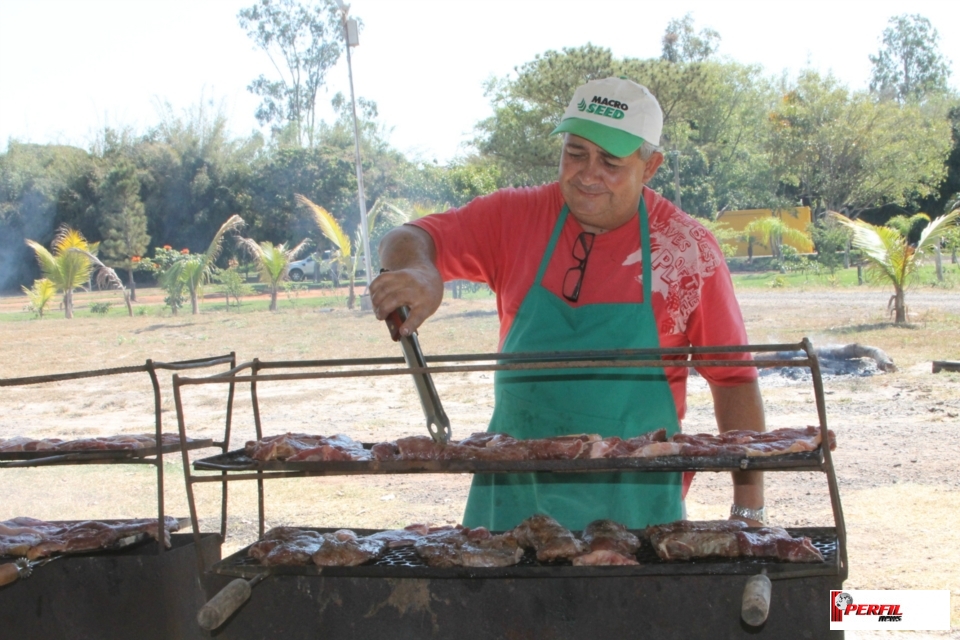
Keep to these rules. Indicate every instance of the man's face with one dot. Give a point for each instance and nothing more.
(602, 190)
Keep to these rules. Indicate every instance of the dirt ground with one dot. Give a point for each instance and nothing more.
(898, 433)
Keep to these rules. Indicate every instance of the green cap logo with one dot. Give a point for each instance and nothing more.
(582, 105)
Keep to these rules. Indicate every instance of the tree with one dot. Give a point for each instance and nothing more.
(772, 232)
(841, 150)
(272, 261)
(332, 230)
(66, 269)
(164, 259)
(32, 177)
(890, 257)
(193, 175)
(123, 222)
(302, 42)
(106, 277)
(714, 116)
(910, 227)
(940, 202)
(682, 44)
(39, 295)
(233, 283)
(527, 108)
(909, 65)
(196, 270)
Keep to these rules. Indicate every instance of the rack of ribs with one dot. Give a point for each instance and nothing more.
(610, 544)
(123, 442)
(686, 540)
(300, 447)
(551, 540)
(34, 539)
(463, 547)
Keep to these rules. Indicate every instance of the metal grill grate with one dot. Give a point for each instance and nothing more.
(406, 557)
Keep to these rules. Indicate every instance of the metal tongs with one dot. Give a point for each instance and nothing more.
(21, 568)
(438, 424)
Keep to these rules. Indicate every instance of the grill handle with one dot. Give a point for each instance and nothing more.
(756, 600)
(225, 603)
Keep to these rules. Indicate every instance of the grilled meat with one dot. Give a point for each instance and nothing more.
(551, 540)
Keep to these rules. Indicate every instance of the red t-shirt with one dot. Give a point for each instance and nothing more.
(500, 239)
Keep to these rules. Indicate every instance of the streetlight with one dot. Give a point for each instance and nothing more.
(351, 38)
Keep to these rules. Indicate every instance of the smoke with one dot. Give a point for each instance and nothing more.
(31, 217)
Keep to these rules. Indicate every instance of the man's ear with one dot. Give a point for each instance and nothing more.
(652, 165)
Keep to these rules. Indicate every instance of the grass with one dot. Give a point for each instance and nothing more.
(109, 304)
(317, 296)
(810, 279)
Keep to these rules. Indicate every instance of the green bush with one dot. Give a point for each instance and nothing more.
(100, 308)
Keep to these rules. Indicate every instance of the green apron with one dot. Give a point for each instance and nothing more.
(610, 402)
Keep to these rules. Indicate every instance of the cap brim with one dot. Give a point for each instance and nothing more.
(614, 141)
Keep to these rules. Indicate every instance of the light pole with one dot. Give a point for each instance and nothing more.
(351, 39)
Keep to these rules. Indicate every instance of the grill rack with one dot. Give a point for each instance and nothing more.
(238, 461)
(405, 563)
(10, 459)
(250, 373)
(151, 455)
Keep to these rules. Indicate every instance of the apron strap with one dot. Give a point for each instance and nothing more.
(548, 252)
(645, 246)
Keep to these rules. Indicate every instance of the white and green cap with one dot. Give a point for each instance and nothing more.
(617, 114)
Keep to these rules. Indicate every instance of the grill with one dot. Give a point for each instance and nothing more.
(130, 593)
(141, 590)
(239, 461)
(405, 563)
(399, 597)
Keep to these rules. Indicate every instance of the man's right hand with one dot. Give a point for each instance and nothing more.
(410, 279)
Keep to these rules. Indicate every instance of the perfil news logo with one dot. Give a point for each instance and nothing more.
(604, 107)
(842, 604)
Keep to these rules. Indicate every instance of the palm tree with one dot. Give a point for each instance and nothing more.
(272, 262)
(890, 257)
(197, 270)
(333, 232)
(40, 294)
(107, 276)
(772, 232)
(67, 270)
(381, 210)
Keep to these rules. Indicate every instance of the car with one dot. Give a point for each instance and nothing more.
(304, 269)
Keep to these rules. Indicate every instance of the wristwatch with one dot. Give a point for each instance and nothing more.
(760, 515)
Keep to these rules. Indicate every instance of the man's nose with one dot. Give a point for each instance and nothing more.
(590, 174)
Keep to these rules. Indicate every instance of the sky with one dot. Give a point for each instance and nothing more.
(69, 68)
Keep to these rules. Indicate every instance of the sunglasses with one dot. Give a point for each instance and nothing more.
(574, 276)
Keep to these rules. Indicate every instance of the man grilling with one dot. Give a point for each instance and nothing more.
(593, 261)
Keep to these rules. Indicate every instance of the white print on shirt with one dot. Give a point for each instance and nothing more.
(683, 257)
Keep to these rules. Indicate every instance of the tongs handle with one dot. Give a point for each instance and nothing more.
(20, 568)
(438, 425)
(13, 571)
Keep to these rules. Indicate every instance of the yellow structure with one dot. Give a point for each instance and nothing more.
(798, 218)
